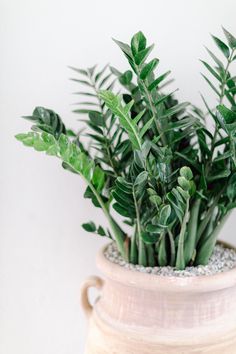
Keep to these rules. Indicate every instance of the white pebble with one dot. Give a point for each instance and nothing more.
(222, 259)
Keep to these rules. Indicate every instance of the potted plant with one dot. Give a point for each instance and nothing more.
(168, 287)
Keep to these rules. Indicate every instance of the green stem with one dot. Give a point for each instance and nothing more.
(162, 254)
(229, 61)
(172, 249)
(190, 243)
(105, 129)
(142, 257)
(133, 250)
(180, 260)
(150, 256)
(207, 217)
(207, 247)
(118, 233)
(152, 107)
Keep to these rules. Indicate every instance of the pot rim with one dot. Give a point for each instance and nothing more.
(201, 283)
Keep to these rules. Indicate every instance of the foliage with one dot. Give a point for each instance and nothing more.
(151, 159)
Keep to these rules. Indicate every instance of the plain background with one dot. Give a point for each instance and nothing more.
(44, 253)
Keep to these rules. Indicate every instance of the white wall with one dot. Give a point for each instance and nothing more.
(44, 253)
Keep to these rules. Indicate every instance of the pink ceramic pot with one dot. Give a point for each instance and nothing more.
(139, 313)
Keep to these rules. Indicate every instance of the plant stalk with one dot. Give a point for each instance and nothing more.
(180, 260)
(205, 251)
(118, 233)
(190, 243)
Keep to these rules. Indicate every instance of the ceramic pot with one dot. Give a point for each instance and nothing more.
(140, 313)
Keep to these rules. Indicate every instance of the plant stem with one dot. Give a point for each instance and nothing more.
(205, 221)
(133, 250)
(190, 243)
(207, 247)
(162, 254)
(142, 257)
(172, 248)
(118, 233)
(150, 255)
(229, 61)
(180, 260)
(152, 107)
(104, 126)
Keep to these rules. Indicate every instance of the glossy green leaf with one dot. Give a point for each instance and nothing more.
(214, 57)
(126, 77)
(230, 38)
(89, 227)
(141, 56)
(138, 43)
(222, 46)
(157, 81)
(211, 70)
(148, 68)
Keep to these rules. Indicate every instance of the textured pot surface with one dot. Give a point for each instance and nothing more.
(140, 313)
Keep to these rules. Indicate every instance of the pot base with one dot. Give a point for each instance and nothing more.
(103, 339)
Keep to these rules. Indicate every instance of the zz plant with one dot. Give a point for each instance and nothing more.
(150, 158)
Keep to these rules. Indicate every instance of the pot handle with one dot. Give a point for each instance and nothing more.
(92, 281)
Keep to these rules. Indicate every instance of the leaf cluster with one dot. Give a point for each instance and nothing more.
(152, 160)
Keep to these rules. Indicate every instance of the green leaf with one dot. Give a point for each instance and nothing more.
(154, 229)
(146, 127)
(48, 121)
(114, 104)
(67, 167)
(138, 43)
(227, 119)
(156, 82)
(148, 68)
(222, 46)
(89, 227)
(179, 108)
(141, 178)
(186, 173)
(26, 139)
(121, 210)
(80, 71)
(139, 116)
(96, 118)
(83, 82)
(216, 60)
(189, 160)
(92, 69)
(224, 156)
(211, 70)
(230, 38)
(98, 178)
(231, 188)
(126, 78)
(124, 47)
(100, 73)
(141, 56)
(220, 175)
(155, 199)
(101, 231)
(149, 238)
(164, 98)
(211, 85)
(184, 183)
(228, 115)
(164, 215)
